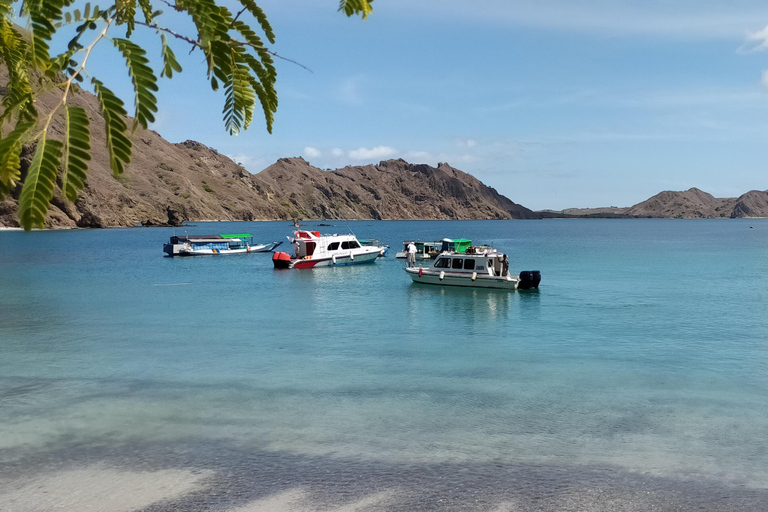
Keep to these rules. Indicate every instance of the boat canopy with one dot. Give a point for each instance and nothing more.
(456, 244)
(210, 238)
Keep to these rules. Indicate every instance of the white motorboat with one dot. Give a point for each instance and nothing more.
(196, 245)
(479, 267)
(311, 249)
(376, 243)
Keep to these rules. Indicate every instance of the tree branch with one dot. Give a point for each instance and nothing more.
(196, 44)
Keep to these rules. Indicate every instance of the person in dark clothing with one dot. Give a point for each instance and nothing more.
(505, 266)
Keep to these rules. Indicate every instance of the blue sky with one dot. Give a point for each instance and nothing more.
(555, 104)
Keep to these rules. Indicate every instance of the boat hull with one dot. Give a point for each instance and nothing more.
(340, 260)
(180, 250)
(448, 279)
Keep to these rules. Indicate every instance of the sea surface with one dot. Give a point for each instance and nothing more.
(635, 378)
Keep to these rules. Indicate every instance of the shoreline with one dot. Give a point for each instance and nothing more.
(208, 221)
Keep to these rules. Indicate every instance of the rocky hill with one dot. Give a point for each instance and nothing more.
(171, 183)
(689, 204)
(753, 204)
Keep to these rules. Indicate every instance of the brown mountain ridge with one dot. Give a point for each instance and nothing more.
(172, 183)
(169, 183)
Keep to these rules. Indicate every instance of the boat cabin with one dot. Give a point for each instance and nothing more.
(424, 250)
(482, 260)
(311, 244)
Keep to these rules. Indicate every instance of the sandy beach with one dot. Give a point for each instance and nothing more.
(96, 489)
(235, 479)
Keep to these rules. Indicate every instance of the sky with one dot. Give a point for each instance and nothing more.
(555, 104)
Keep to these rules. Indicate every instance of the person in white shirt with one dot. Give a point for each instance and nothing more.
(411, 255)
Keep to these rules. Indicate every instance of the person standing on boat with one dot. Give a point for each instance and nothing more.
(505, 266)
(411, 255)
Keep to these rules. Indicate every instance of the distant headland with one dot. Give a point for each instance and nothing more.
(689, 204)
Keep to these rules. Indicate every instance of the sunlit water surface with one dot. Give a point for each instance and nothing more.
(644, 354)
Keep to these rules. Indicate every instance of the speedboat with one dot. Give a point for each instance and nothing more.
(372, 242)
(195, 245)
(478, 267)
(311, 249)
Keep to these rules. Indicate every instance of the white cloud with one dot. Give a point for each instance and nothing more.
(250, 162)
(311, 152)
(466, 143)
(372, 154)
(758, 40)
(350, 90)
(427, 157)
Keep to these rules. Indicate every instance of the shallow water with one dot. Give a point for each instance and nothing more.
(639, 370)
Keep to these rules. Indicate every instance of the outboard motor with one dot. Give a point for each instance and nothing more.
(529, 279)
(281, 260)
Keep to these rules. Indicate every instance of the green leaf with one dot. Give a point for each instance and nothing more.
(38, 187)
(113, 111)
(268, 105)
(18, 98)
(77, 152)
(258, 13)
(240, 98)
(144, 81)
(146, 8)
(10, 151)
(42, 16)
(170, 64)
(126, 13)
(254, 40)
(351, 7)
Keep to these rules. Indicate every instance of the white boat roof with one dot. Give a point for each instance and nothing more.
(308, 236)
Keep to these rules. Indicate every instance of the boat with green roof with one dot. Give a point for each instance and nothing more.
(204, 245)
(430, 250)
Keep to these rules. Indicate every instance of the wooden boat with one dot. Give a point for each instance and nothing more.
(197, 245)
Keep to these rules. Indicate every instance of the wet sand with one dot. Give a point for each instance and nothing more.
(231, 478)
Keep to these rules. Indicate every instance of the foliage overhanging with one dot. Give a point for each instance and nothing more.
(237, 58)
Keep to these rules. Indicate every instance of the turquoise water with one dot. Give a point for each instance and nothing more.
(641, 363)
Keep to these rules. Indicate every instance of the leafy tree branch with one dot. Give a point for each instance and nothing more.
(238, 61)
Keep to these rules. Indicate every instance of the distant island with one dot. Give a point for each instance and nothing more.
(689, 204)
